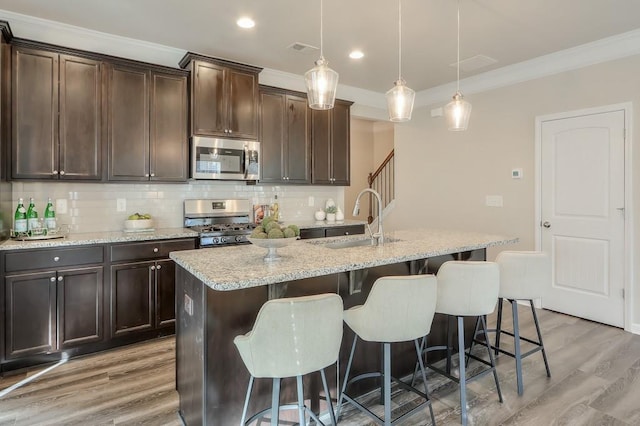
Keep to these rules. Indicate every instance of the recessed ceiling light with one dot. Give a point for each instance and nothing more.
(246, 22)
(356, 54)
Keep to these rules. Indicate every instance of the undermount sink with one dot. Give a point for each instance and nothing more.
(352, 243)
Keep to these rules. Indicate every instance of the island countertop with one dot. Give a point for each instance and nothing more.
(240, 267)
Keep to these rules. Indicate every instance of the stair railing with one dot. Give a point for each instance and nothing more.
(383, 182)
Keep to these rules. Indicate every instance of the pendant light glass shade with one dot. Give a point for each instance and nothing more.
(400, 102)
(322, 83)
(458, 112)
(321, 80)
(400, 98)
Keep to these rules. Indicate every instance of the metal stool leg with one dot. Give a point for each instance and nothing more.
(498, 325)
(275, 402)
(246, 402)
(300, 400)
(544, 353)
(346, 377)
(419, 347)
(332, 415)
(461, 367)
(491, 358)
(516, 342)
(387, 384)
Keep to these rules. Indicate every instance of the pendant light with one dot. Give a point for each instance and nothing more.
(321, 80)
(458, 110)
(400, 98)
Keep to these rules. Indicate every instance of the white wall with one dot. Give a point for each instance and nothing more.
(443, 177)
(92, 206)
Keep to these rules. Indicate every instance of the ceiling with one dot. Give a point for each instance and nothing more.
(509, 31)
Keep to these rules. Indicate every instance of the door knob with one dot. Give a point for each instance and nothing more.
(546, 224)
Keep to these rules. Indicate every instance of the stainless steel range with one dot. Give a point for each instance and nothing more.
(219, 222)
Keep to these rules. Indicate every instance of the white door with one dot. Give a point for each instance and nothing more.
(582, 214)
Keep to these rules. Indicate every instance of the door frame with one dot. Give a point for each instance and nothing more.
(628, 207)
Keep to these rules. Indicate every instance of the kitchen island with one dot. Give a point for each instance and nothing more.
(219, 292)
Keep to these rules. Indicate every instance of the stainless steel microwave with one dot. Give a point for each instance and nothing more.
(224, 159)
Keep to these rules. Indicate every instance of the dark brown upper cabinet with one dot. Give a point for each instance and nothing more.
(5, 97)
(224, 97)
(56, 116)
(147, 124)
(330, 145)
(285, 136)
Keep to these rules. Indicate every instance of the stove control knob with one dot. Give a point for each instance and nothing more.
(239, 238)
(223, 239)
(215, 241)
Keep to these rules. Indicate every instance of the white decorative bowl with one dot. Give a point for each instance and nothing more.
(272, 244)
(138, 224)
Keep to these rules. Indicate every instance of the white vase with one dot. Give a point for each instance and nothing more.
(331, 217)
(339, 215)
(319, 215)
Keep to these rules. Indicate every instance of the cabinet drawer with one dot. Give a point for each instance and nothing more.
(149, 250)
(53, 258)
(344, 230)
(311, 233)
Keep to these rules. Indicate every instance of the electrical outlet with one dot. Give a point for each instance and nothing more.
(61, 206)
(121, 205)
(188, 305)
(312, 201)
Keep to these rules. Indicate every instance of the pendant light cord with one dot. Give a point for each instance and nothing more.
(321, 51)
(399, 39)
(458, 58)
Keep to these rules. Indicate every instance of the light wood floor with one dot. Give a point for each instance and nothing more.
(595, 381)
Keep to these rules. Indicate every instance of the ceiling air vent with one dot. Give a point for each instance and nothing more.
(302, 48)
(474, 63)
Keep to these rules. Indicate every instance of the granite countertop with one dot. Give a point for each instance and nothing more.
(238, 267)
(100, 238)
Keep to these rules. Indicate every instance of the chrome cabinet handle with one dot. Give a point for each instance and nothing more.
(60, 278)
(155, 249)
(546, 224)
(146, 175)
(153, 174)
(61, 172)
(52, 279)
(56, 259)
(159, 267)
(55, 172)
(153, 268)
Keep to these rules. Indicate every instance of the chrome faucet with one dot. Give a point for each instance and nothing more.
(379, 236)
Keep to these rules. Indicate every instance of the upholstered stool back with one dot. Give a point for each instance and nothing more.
(468, 288)
(523, 274)
(293, 336)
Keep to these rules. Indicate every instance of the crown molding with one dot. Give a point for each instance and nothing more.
(370, 102)
(604, 50)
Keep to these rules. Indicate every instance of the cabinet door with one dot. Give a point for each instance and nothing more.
(35, 114)
(128, 123)
(80, 306)
(208, 117)
(321, 147)
(165, 293)
(242, 104)
(298, 141)
(169, 142)
(80, 119)
(30, 313)
(131, 298)
(272, 136)
(340, 146)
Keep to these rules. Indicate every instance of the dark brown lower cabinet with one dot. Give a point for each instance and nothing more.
(142, 296)
(53, 310)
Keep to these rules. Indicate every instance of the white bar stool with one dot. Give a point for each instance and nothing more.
(292, 337)
(523, 275)
(398, 309)
(467, 289)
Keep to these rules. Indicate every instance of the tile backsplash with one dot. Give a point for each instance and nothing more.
(93, 206)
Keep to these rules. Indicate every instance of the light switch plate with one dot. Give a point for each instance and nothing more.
(121, 205)
(312, 201)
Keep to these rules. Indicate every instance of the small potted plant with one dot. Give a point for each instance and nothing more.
(331, 213)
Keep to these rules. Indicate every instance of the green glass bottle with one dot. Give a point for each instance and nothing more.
(32, 216)
(20, 218)
(50, 216)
